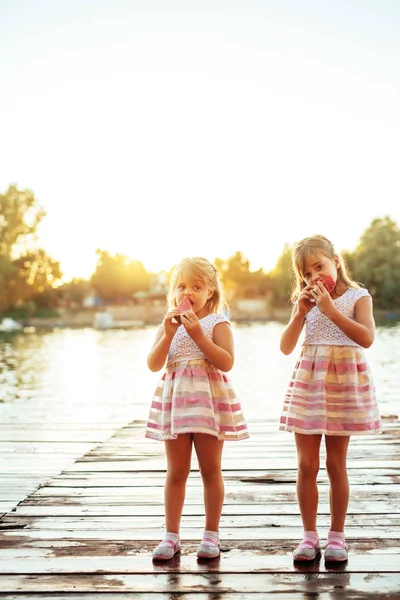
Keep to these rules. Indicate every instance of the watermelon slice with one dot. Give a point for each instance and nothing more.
(183, 306)
(329, 283)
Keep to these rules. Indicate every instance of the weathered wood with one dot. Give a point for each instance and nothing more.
(292, 594)
(188, 533)
(216, 583)
(235, 520)
(91, 528)
(233, 493)
(137, 478)
(61, 507)
(235, 561)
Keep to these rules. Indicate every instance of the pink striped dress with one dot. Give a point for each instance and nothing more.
(331, 390)
(192, 395)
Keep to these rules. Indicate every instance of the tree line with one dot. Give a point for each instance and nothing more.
(31, 281)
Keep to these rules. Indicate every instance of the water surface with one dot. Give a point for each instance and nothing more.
(90, 376)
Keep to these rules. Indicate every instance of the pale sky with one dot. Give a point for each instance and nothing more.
(161, 129)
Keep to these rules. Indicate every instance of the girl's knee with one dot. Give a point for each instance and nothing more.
(336, 469)
(177, 476)
(210, 473)
(308, 466)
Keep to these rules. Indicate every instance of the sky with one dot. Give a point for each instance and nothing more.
(162, 129)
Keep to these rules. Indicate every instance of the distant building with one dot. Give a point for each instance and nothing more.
(92, 300)
(158, 288)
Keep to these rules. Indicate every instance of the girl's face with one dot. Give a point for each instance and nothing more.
(318, 266)
(196, 291)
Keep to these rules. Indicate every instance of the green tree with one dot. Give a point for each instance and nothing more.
(8, 275)
(239, 281)
(26, 271)
(20, 214)
(235, 275)
(282, 278)
(37, 274)
(74, 292)
(117, 277)
(376, 262)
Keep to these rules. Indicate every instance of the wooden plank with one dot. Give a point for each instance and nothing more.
(232, 562)
(261, 493)
(60, 447)
(67, 509)
(123, 479)
(144, 464)
(120, 522)
(188, 533)
(36, 547)
(92, 528)
(84, 435)
(232, 583)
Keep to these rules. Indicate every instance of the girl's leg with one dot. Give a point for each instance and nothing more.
(336, 457)
(179, 454)
(209, 453)
(308, 447)
(336, 466)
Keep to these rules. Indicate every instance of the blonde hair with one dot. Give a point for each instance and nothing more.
(198, 268)
(317, 245)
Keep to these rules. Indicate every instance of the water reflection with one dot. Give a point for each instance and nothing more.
(82, 371)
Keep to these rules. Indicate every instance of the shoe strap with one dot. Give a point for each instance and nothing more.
(167, 543)
(339, 545)
(210, 541)
(308, 544)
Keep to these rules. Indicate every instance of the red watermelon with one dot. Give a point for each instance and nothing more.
(329, 283)
(183, 306)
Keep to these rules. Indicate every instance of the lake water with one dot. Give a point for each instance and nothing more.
(62, 393)
(90, 377)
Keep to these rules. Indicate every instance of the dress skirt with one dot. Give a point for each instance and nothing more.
(331, 392)
(195, 397)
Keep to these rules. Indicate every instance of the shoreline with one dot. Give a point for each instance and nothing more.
(123, 317)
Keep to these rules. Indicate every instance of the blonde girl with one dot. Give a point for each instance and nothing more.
(331, 391)
(194, 403)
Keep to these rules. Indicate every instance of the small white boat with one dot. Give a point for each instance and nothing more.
(103, 320)
(8, 324)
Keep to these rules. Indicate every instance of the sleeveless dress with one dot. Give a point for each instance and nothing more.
(331, 390)
(192, 395)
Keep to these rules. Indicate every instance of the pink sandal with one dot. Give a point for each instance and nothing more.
(307, 551)
(208, 548)
(166, 550)
(336, 552)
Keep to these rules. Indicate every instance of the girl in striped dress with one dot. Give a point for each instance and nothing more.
(331, 392)
(194, 403)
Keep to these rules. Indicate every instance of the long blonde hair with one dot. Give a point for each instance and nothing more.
(317, 245)
(198, 268)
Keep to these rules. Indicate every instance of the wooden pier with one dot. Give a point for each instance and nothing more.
(88, 531)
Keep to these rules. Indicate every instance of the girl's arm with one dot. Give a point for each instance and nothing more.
(159, 352)
(362, 330)
(291, 334)
(220, 350)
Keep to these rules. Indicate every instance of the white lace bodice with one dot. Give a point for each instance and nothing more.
(321, 330)
(184, 348)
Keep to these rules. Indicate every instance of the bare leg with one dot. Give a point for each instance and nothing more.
(339, 491)
(209, 453)
(179, 454)
(308, 447)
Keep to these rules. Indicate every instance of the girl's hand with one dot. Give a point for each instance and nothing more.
(192, 324)
(170, 327)
(304, 301)
(322, 298)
